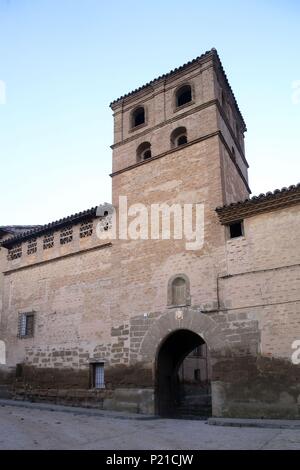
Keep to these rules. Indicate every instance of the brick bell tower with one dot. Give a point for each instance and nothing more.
(172, 115)
(177, 139)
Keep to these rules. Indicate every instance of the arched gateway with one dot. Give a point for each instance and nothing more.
(172, 345)
(182, 381)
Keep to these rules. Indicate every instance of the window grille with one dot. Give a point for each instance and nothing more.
(86, 229)
(32, 246)
(48, 241)
(26, 325)
(15, 252)
(98, 375)
(66, 235)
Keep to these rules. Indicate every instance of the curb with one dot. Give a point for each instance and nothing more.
(76, 410)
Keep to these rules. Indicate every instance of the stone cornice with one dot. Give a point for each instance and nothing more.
(233, 136)
(181, 116)
(57, 258)
(268, 202)
(175, 118)
(177, 149)
(203, 58)
(42, 229)
(208, 55)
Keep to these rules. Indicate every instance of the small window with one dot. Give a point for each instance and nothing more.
(48, 241)
(143, 152)
(86, 229)
(181, 140)
(197, 375)
(66, 235)
(183, 95)
(178, 137)
(98, 375)
(26, 325)
(179, 291)
(197, 351)
(15, 252)
(138, 117)
(236, 230)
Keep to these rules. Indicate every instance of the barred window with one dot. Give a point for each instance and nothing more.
(15, 252)
(66, 235)
(32, 246)
(98, 375)
(26, 325)
(48, 241)
(86, 229)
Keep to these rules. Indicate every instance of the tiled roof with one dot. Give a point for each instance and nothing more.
(16, 229)
(213, 53)
(270, 201)
(41, 229)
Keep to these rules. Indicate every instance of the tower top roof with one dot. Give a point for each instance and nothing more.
(212, 54)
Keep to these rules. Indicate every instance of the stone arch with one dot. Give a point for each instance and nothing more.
(182, 318)
(177, 322)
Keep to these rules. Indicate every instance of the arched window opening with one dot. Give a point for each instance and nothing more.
(179, 291)
(181, 140)
(183, 95)
(147, 154)
(144, 151)
(179, 137)
(138, 117)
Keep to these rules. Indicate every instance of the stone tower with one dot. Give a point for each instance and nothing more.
(178, 139)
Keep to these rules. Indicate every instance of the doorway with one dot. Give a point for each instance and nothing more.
(183, 375)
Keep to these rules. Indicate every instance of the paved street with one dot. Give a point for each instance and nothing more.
(34, 428)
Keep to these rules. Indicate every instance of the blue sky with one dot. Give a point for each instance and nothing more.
(64, 61)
